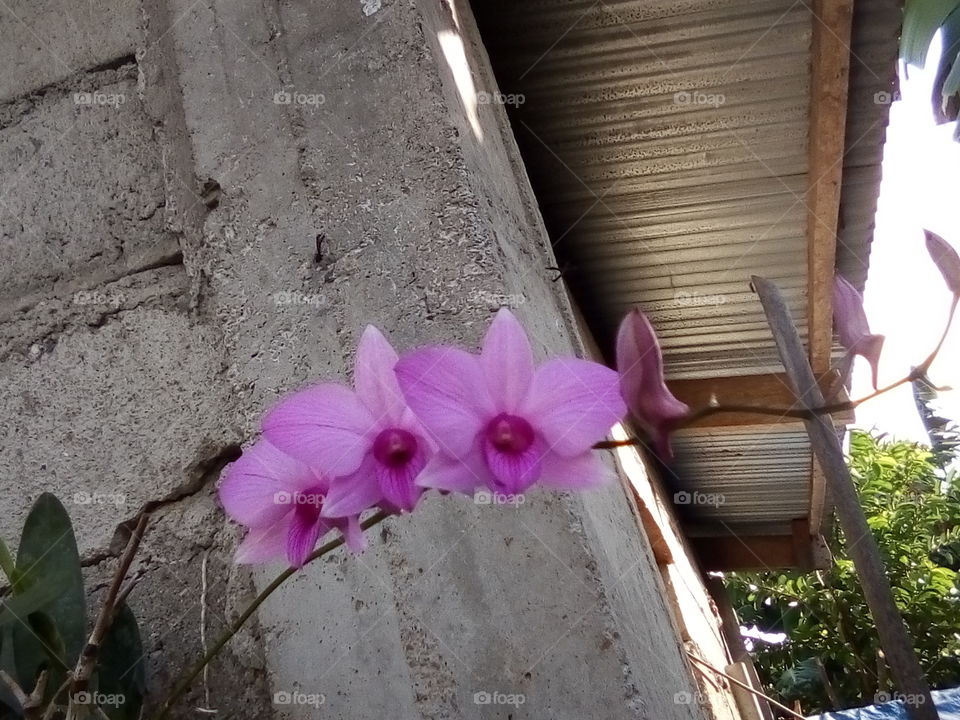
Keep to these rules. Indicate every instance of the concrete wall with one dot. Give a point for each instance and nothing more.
(159, 212)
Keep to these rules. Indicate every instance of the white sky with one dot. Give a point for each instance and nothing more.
(906, 298)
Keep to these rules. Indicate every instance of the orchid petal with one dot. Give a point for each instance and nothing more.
(461, 475)
(507, 361)
(446, 389)
(513, 472)
(853, 330)
(573, 404)
(583, 472)
(352, 533)
(250, 489)
(869, 347)
(354, 493)
(374, 379)
(325, 426)
(398, 484)
(849, 318)
(642, 382)
(947, 260)
(305, 529)
(263, 545)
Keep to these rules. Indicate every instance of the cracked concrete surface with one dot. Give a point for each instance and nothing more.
(144, 329)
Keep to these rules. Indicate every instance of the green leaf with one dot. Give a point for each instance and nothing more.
(921, 20)
(47, 558)
(17, 608)
(121, 677)
(946, 84)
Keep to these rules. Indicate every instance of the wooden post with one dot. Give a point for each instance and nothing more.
(894, 638)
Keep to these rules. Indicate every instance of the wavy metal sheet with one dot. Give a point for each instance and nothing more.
(667, 144)
(747, 477)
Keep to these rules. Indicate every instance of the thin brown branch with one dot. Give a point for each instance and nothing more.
(14, 687)
(88, 658)
(53, 707)
(925, 365)
(781, 708)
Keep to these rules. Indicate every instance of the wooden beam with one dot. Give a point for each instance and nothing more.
(829, 84)
(658, 543)
(861, 545)
(770, 391)
(759, 552)
(799, 550)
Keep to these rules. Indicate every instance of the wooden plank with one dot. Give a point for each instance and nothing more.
(862, 547)
(769, 391)
(658, 543)
(829, 83)
(756, 552)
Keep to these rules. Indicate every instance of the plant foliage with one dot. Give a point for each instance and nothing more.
(831, 657)
(43, 623)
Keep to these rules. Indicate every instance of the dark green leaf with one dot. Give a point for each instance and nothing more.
(47, 558)
(121, 678)
(921, 20)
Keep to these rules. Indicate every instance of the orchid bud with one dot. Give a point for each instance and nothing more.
(640, 364)
(946, 259)
(850, 322)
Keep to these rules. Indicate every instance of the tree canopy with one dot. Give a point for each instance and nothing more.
(831, 657)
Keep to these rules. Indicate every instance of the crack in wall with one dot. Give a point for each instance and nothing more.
(199, 476)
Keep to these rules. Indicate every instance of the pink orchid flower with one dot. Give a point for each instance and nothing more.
(850, 322)
(642, 383)
(946, 259)
(367, 439)
(280, 500)
(501, 422)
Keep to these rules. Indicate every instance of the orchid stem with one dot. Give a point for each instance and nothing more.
(925, 365)
(198, 667)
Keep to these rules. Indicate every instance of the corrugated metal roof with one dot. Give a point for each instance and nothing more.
(667, 143)
(873, 84)
(746, 477)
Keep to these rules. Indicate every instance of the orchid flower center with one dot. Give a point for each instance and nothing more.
(394, 447)
(509, 433)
